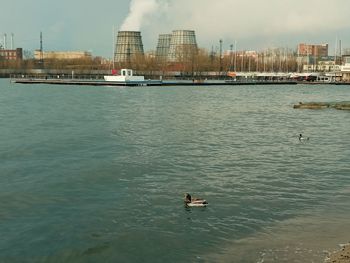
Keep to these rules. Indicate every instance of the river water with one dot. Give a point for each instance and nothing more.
(98, 174)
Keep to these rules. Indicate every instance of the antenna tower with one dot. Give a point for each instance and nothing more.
(41, 48)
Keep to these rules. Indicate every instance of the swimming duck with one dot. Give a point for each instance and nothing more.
(189, 201)
(301, 138)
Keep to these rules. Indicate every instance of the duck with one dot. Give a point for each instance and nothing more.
(189, 201)
(301, 138)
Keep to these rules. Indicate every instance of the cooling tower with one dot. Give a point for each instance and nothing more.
(183, 43)
(163, 47)
(128, 45)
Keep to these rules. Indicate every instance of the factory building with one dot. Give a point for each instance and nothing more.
(128, 46)
(11, 54)
(179, 46)
(313, 50)
(60, 55)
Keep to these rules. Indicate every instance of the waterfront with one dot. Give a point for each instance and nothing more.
(94, 174)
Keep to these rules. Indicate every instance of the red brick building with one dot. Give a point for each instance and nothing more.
(11, 54)
(313, 50)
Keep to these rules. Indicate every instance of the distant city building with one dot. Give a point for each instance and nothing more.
(345, 69)
(313, 50)
(128, 46)
(61, 54)
(11, 54)
(322, 66)
(346, 59)
(242, 53)
(346, 52)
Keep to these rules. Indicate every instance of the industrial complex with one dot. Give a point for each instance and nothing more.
(10, 53)
(178, 51)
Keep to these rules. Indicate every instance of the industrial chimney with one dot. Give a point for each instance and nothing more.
(5, 41)
(12, 42)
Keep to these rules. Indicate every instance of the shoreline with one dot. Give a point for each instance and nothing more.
(340, 256)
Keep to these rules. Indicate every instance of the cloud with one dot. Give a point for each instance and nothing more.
(139, 9)
(249, 19)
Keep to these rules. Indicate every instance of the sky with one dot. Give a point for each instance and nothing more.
(252, 24)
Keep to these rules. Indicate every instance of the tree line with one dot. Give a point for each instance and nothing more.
(189, 61)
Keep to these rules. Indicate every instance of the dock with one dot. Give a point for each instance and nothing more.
(87, 82)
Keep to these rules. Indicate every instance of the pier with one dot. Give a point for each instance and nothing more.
(99, 82)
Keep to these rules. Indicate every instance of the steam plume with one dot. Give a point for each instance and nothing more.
(137, 12)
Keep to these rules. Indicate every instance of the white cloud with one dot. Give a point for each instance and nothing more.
(139, 9)
(249, 19)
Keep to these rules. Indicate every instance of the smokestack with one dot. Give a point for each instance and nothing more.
(12, 42)
(5, 41)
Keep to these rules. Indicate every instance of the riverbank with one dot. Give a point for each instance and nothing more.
(341, 256)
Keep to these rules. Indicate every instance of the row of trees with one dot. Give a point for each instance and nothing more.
(189, 61)
(203, 61)
(95, 63)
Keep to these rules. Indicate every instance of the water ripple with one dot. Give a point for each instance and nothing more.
(103, 170)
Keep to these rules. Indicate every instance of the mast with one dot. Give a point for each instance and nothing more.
(113, 49)
(340, 51)
(231, 55)
(235, 65)
(335, 51)
(220, 59)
